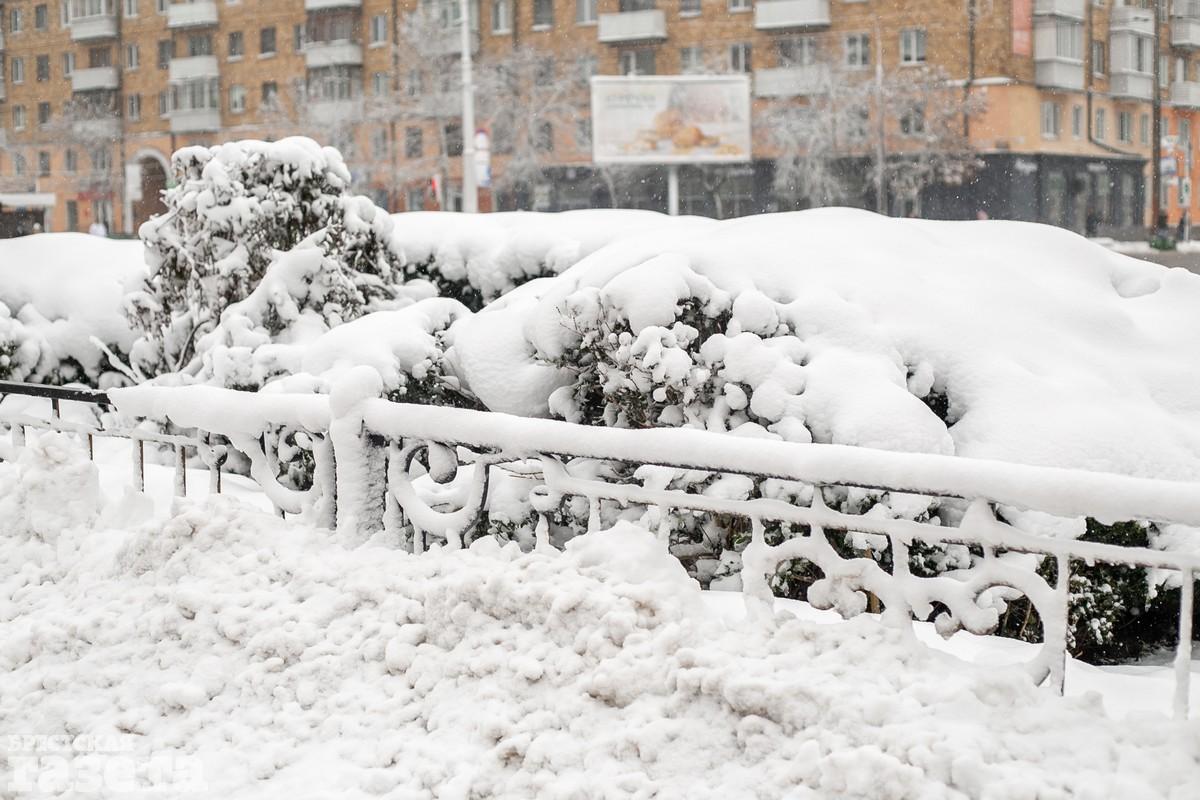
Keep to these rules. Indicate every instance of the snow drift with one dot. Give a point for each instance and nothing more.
(289, 665)
(1001, 340)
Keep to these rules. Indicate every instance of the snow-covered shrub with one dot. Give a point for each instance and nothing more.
(989, 340)
(476, 258)
(20, 350)
(232, 208)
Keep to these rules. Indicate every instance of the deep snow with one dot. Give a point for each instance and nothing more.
(289, 665)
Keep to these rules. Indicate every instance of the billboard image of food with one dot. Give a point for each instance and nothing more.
(676, 119)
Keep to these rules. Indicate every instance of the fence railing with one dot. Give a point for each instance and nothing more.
(372, 463)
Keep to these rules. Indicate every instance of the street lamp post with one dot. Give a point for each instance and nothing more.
(470, 193)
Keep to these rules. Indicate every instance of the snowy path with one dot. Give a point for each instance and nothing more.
(264, 659)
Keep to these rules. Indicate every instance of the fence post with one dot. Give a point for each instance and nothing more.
(1183, 656)
(360, 478)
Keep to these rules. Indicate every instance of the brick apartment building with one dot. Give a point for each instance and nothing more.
(96, 94)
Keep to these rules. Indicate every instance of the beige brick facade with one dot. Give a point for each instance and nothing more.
(197, 73)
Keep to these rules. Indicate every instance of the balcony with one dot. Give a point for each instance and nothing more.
(1185, 32)
(1132, 85)
(195, 120)
(1059, 73)
(97, 26)
(1073, 9)
(2, 95)
(333, 54)
(333, 112)
(95, 79)
(326, 5)
(772, 15)
(449, 43)
(97, 130)
(790, 81)
(1185, 93)
(192, 15)
(1131, 18)
(632, 26)
(193, 68)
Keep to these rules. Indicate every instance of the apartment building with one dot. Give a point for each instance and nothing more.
(96, 94)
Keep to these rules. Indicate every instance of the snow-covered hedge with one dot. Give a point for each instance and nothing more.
(59, 292)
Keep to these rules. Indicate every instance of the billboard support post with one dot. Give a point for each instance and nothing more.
(673, 190)
(470, 193)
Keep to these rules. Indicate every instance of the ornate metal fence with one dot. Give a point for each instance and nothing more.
(371, 457)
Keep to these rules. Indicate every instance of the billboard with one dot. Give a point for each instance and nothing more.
(670, 119)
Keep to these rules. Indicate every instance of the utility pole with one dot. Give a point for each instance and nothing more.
(1156, 145)
(470, 192)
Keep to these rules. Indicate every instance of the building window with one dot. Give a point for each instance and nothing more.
(18, 70)
(161, 6)
(200, 44)
(858, 50)
(43, 114)
(68, 63)
(18, 117)
(16, 21)
(237, 99)
(236, 45)
(740, 57)
(689, 8)
(133, 56)
(453, 138)
(912, 46)
(266, 41)
(72, 215)
(270, 93)
(379, 148)
(739, 5)
(585, 12)
(1051, 120)
(298, 37)
(18, 163)
(43, 163)
(1164, 69)
(41, 17)
(1098, 57)
(691, 59)
(414, 144)
(1101, 124)
(543, 13)
(636, 62)
(379, 84)
(501, 16)
(912, 121)
(797, 51)
(1144, 129)
(164, 104)
(379, 33)
(1077, 121)
(1068, 40)
(70, 161)
(166, 52)
(42, 68)
(133, 106)
(99, 57)
(131, 8)
(544, 137)
(1125, 127)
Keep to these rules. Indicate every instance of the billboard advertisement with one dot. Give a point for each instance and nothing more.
(670, 119)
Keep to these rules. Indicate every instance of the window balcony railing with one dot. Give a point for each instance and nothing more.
(93, 79)
(195, 120)
(1131, 18)
(1073, 9)
(325, 5)
(795, 81)
(1185, 32)
(632, 26)
(333, 54)
(1186, 93)
(95, 26)
(199, 14)
(190, 68)
(774, 14)
(1132, 85)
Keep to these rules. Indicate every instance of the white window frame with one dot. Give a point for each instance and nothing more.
(1051, 119)
(857, 50)
(912, 46)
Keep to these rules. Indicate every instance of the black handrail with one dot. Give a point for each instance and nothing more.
(56, 393)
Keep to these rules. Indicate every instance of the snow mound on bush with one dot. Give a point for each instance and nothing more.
(63, 289)
(834, 325)
(493, 253)
(289, 665)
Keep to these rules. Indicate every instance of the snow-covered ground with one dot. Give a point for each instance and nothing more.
(230, 654)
